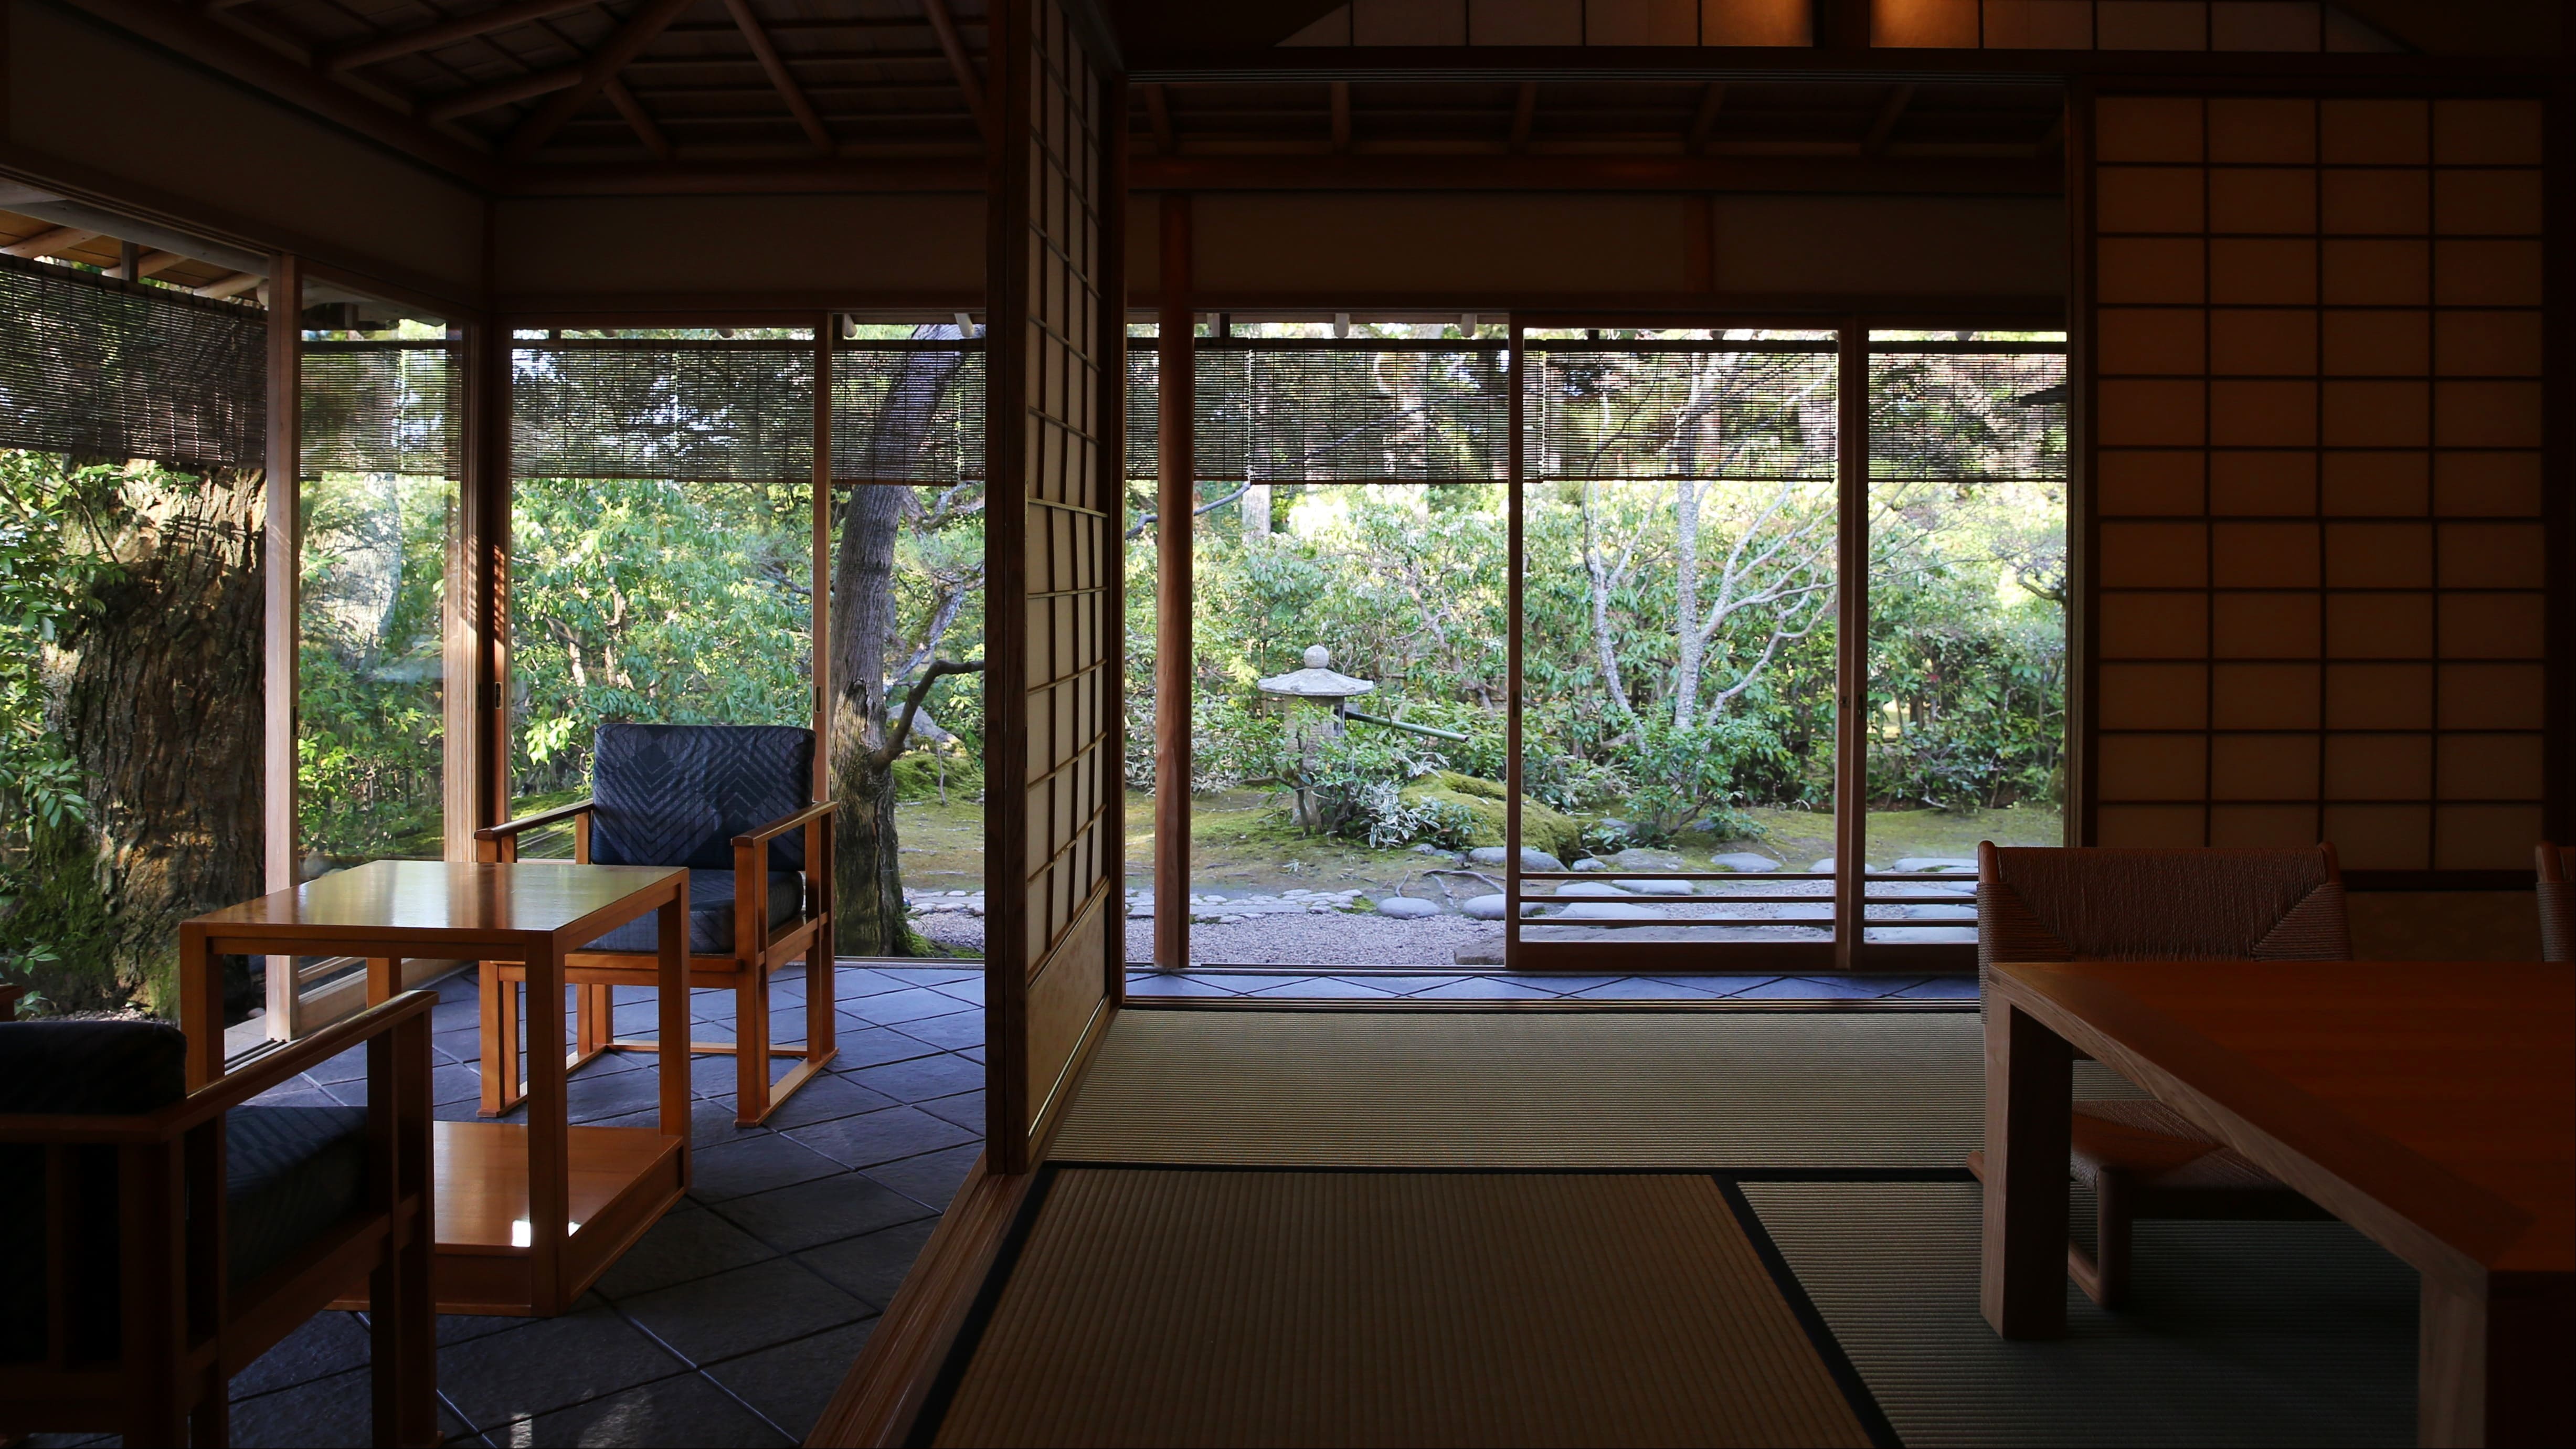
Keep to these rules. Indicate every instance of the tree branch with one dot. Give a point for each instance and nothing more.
(902, 731)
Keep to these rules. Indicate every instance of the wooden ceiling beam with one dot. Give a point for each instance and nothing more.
(232, 286)
(291, 79)
(47, 243)
(1908, 175)
(779, 75)
(602, 64)
(500, 93)
(377, 49)
(639, 120)
(1524, 116)
(953, 45)
(153, 264)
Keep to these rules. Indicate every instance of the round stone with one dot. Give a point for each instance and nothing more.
(1588, 865)
(1655, 887)
(1935, 865)
(1407, 908)
(1607, 911)
(1484, 908)
(1745, 861)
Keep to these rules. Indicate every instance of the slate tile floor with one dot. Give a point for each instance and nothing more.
(734, 1319)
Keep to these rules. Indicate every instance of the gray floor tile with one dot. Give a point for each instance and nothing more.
(1640, 988)
(876, 1137)
(864, 1045)
(1475, 989)
(966, 1109)
(296, 1092)
(857, 981)
(1800, 988)
(964, 1029)
(748, 1308)
(591, 1097)
(687, 1409)
(1158, 983)
(1404, 985)
(971, 992)
(543, 1364)
(325, 1344)
(1942, 988)
(897, 1007)
(872, 1265)
(691, 1242)
(754, 1163)
(932, 975)
(348, 1066)
(791, 1383)
(822, 1211)
(825, 1097)
(1331, 988)
(334, 1411)
(931, 1179)
(943, 1075)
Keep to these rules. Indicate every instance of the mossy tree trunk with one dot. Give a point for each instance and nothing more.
(867, 884)
(161, 709)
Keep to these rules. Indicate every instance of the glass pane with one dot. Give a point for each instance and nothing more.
(370, 725)
(653, 601)
(1327, 783)
(1678, 643)
(1966, 724)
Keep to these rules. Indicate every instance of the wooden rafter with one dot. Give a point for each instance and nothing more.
(1889, 112)
(501, 93)
(376, 49)
(637, 118)
(153, 264)
(1712, 99)
(47, 243)
(232, 286)
(779, 75)
(944, 25)
(604, 63)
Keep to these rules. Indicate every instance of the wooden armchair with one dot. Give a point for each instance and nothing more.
(2143, 1159)
(2557, 890)
(714, 799)
(158, 1240)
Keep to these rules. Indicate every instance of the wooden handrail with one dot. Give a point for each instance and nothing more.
(556, 816)
(224, 1093)
(777, 828)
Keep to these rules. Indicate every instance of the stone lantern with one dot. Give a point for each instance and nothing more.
(1317, 700)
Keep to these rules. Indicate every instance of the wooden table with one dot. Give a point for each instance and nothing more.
(2432, 1105)
(526, 1216)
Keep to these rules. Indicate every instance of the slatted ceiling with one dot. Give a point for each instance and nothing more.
(2319, 427)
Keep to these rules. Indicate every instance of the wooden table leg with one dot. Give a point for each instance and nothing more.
(671, 946)
(201, 1006)
(549, 1161)
(2491, 1361)
(2030, 1100)
(384, 978)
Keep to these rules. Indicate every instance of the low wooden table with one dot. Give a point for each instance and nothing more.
(2432, 1105)
(527, 1217)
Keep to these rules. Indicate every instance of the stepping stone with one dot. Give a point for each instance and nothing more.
(1647, 860)
(1823, 867)
(1930, 864)
(1655, 887)
(1587, 865)
(1407, 908)
(1940, 913)
(1745, 861)
(1607, 911)
(1484, 908)
(1532, 858)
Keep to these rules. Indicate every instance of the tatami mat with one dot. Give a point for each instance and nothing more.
(1838, 1089)
(1295, 1308)
(2236, 1333)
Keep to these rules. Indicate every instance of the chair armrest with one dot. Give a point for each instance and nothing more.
(776, 828)
(556, 816)
(226, 1092)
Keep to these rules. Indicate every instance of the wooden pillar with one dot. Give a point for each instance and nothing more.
(1851, 640)
(1175, 503)
(478, 752)
(826, 333)
(1515, 571)
(280, 555)
(1110, 353)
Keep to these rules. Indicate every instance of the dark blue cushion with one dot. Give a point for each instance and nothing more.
(679, 794)
(710, 915)
(92, 1068)
(290, 1173)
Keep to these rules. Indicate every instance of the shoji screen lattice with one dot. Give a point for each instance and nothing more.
(1055, 392)
(2317, 423)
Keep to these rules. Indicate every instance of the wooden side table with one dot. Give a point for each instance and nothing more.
(528, 1216)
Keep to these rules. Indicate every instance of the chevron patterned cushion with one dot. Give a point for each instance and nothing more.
(679, 794)
(289, 1174)
(710, 915)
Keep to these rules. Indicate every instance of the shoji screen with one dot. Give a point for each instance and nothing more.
(1055, 410)
(2316, 429)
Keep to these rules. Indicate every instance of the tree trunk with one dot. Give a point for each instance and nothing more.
(161, 708)
(867, 881)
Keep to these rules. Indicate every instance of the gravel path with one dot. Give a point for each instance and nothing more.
(1338, 939)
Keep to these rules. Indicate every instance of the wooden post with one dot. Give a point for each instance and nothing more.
(280, 556)
(825, 334)
(1851, 641)
(1514, 565)
(1110, 352)
(1175, 503)
(2030, 1091)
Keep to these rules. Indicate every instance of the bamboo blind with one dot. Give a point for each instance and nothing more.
(2318, 425)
